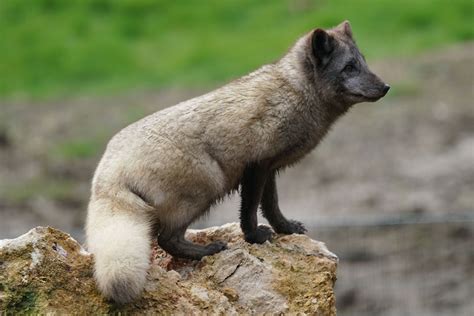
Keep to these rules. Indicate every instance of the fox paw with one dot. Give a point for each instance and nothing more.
(260, 235)
(215, 247)
(290, 227)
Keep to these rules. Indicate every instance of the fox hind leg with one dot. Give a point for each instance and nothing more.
(173, 242)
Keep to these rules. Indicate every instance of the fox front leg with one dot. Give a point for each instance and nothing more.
(252, 185)
(271, 210)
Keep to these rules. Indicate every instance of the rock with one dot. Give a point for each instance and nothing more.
(46, 271)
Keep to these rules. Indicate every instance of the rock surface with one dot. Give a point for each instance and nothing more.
(45, 270)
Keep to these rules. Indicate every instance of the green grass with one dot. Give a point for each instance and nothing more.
(53, 48)
(408, 88)
(79, 148)
(56, 189)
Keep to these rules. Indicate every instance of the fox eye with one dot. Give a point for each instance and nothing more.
(349, 68)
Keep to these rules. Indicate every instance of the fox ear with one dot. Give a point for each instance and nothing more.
(322, 45)
(345, 27)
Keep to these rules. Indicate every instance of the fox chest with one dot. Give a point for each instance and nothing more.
(297, 145)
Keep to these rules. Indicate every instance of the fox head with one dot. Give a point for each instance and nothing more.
(335, 65)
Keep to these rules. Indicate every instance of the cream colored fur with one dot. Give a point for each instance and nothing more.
(168, 168)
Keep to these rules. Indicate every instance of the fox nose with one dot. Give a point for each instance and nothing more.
(386, 87)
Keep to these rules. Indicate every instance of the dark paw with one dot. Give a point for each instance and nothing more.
(215, 247)
(290, 227)
(261, 235)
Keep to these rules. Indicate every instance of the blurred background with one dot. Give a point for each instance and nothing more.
(390, 190)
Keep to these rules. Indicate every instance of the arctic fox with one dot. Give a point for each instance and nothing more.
(160, 174)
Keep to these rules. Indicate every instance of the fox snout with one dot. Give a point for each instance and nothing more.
(382, 90)
(370, 88)
(370, 93)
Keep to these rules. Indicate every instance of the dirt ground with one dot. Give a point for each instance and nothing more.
(390, 190)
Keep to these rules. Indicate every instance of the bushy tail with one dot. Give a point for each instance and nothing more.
(121, 246)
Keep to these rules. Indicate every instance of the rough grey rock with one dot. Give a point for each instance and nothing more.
(45, 270)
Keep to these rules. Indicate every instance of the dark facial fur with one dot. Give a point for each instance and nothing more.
(340, 70)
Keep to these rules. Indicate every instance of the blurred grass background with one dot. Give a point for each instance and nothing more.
(57, 48)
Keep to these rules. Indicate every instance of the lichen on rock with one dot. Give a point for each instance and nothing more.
(45, 270)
